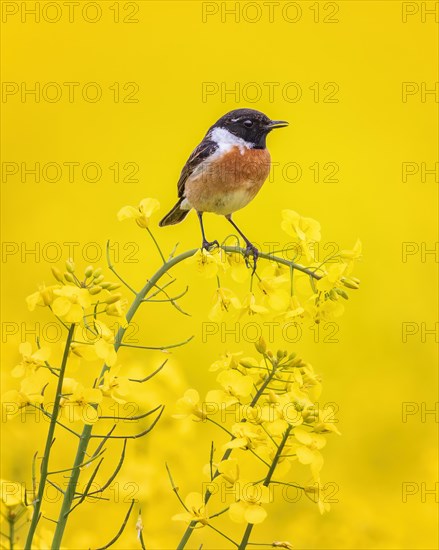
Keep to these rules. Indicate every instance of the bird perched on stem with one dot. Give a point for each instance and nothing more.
(225, 172)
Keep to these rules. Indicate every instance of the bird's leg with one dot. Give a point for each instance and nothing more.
(205, 244)
(250, 248)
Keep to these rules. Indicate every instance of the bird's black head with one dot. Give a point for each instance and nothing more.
(250, 125)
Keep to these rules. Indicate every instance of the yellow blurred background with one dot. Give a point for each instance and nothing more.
(356, 80)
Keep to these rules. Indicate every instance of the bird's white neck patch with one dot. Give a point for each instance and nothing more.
(226, 140)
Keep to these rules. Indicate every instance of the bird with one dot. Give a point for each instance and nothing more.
(225, 171)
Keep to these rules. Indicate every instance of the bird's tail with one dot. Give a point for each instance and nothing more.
(176, 215)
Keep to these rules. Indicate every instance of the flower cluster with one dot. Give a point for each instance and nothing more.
(268, 406)
(59, 384)
(13, 507)
(272, 398)
(284, 289)
(89, 302)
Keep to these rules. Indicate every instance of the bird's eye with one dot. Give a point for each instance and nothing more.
(248, 123)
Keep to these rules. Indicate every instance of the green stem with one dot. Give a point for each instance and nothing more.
(222, 534)
(189, 530)
(45, 461)
(309, 271)
(87, 430)
(11, 533)
(247, 533)
(156, 244)
(266, 483)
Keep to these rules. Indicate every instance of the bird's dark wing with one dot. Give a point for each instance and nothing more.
(201, 153)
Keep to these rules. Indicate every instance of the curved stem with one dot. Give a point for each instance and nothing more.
(277, 259)
(187, 534)
(244, 542)
(156, 245)
(49, 440)
(87, 430)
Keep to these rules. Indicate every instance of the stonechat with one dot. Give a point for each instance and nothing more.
(227, 169)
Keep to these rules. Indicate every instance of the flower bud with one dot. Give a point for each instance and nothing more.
(113, 286)
(88, 271)
(97, 280)
(70, 266)
(350, 283)
(69, 277)
(261, 346)
(97, 273)
(248, 363)
(293, 361)
(95, 290)
(342, 293)
(105, 284)
(57, 274)
(113, 298)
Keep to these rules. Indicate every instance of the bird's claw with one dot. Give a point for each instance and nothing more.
(208, 245)
(251, 249)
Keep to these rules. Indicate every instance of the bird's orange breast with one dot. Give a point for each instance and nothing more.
(229, 181)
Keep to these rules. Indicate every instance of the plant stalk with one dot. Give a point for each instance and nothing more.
(87, 430)
(45, 461)
(266, 483)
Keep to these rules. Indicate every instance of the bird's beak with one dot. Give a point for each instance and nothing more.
(276, 124)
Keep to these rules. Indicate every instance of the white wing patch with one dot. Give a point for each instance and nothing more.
(185, 204)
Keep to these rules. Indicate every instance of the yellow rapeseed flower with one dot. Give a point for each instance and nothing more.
(305, 230)
(79, 403)
(226, 361)
(280, 414)
(104, 345)
(350, 256)
(189, 405)
(278, 297)
(31, 361)
(43, 297)
(69, 303)
(332, 277)
(308, 449)
(248, 509)
(30, 393)
(247, 436)
(196, 510)
(114, 386)
(141, 214)
(224, 301)
(236, 386)
(229, 470)
(208, 263)
(318, 494)
(13, 500)
(238, 268)
(251, 307)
